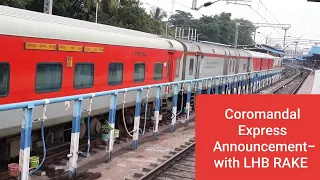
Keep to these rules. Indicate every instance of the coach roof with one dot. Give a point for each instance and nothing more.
(255, 54)
(18, 22)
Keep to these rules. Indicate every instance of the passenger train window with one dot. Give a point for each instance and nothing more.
(48, 77)
(158, 69)
(178, 68)
(191, 66)
(234, 65)
(115, 73)
(4, 79)
(139, 72)
(83, 75)
(230, 64)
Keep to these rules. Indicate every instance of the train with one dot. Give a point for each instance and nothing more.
(46, 56)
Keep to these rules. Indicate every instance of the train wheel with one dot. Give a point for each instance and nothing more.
(119, 122)
(83, 129)
(95, 126)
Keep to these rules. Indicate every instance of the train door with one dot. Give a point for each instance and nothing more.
(198, 65)
(170, 73)
(170, 70)
(248, 64)
(237, 65)
(226, 63)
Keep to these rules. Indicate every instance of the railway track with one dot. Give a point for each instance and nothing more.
(180, 164)
(290, 82)
(293, 85)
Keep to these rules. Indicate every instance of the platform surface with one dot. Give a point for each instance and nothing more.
(316, 83)
(312, 84)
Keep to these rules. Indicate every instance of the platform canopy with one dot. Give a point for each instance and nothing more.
(314, 54)
(265, 49)
(315, 50)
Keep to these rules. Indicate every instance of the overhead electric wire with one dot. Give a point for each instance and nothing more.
(269, 12)
(188, 8)
(260, 1)
(218, 21)
(272, 14)
(156, 7)
(262, 17)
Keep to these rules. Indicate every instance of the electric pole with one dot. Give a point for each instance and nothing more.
(236, 36)
(97, 9)
(295, 50)
(47, 6)
(255, 26)
(284, 39)
(255, 32)
(267, 40)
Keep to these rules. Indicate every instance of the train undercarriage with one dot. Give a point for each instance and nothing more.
(58, 137)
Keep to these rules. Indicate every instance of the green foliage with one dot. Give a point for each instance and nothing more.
(16, 3)
(130, 14)
(219, 28)
(158, 14)
(180, 18)
(106, 128)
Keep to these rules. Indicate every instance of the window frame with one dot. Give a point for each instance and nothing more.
(74, 71)
(161, 70)
(191, 72)
(8, 84)
(234, 65)
(178, 69)
(61, 82)
(144, 78)
(115, 84)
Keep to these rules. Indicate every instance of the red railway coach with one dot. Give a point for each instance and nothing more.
(46, 59)
(45, 56)
(262, 61)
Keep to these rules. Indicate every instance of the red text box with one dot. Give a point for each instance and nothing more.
(257, 137)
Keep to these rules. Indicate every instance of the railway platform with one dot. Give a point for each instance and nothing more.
(312, 84)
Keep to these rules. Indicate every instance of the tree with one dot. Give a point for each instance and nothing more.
(157, 14)
(219, 28)
(180, 18)
(135, 17)
(245, 32)
(21, 4)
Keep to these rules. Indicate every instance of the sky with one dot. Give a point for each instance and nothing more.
(303, 17)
